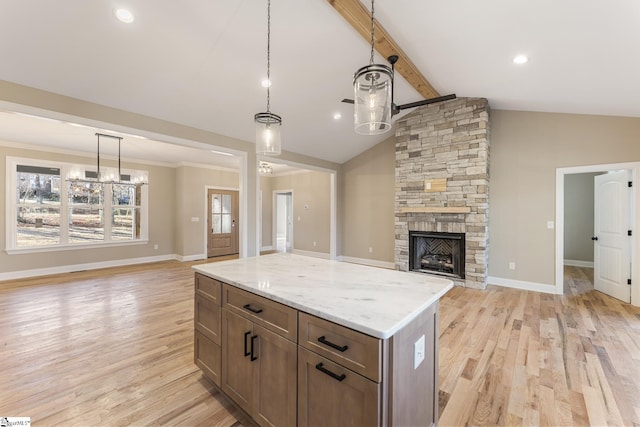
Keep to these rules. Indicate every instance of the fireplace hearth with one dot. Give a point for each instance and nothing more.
(437, 253)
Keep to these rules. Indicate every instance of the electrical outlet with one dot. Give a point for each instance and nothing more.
(314, 243)
(370, 250)
(550, 225)
(155, 247)
(512, 265)
(418, 352)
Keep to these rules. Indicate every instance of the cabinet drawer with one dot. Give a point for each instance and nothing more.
(331, 395)
(357, 351)
(271, 315)
(207, 357)
(208, 287)
(207, 318)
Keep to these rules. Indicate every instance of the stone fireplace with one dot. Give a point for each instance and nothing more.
(442, 186)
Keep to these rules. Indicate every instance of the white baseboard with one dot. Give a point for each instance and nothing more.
(322, 255)
(196, 257)
(266, 248)
(370, 262)
(521, 284)
(578, 263)
(23, 274)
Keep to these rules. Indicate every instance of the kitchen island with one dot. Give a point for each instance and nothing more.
(295, 340)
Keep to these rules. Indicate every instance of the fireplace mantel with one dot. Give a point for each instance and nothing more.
(434, 209)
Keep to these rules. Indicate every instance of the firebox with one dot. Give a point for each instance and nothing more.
(437, 253)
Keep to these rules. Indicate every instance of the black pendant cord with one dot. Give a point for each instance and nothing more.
(268, 55)
(372, 34)
(119, 138)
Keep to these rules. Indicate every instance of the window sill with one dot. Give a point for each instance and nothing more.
(73, 247)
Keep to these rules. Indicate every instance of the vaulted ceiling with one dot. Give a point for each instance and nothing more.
(200, 62)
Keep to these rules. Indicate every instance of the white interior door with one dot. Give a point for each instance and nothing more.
(612, 222)
(284, 221)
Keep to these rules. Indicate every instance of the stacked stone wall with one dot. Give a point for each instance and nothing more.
(448, 140)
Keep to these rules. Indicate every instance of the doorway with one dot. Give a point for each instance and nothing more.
(610, 267)
(222, 222)
(283, 220)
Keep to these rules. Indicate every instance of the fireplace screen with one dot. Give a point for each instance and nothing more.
(437, 253)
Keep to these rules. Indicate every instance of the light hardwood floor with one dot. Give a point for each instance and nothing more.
(510, 357)
(115, 347)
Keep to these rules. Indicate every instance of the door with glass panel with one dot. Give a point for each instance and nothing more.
(222, 222)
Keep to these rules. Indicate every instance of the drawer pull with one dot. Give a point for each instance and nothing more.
(251, 309)
(324, 341)
(321, 368)
(253, 356)
(246, 352)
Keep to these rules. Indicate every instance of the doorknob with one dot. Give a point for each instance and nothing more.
(594, 238)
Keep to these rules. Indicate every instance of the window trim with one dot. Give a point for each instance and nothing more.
(11, 211)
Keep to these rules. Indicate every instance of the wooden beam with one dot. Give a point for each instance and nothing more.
(359, 17)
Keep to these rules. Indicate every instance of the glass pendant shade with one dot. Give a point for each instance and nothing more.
(372, 86)
(268, 134)
(76, 172)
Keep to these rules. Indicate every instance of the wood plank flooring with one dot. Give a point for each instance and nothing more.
(114, 347)
(511, 357)
(110, 347)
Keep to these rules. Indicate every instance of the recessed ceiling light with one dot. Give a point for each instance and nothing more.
(124, 15)
(337, 116)
(266, 83)
(520, 59)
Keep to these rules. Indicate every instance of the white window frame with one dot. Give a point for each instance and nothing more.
(11, 211)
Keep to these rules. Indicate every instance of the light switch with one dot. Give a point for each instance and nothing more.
(550, 225)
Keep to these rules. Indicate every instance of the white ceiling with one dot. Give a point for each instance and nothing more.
(200, 62)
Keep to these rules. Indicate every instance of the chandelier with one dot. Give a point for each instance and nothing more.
(265, 168)
(79, 174)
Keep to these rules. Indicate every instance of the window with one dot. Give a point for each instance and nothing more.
(47, 212)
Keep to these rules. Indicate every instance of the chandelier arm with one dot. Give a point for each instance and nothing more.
(98, 157)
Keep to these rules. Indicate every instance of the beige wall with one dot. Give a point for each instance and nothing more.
(578, 217)
(366, 204)
(38, 102)
(526, 149)
(161, 219)
(313, 223)
(191, 185)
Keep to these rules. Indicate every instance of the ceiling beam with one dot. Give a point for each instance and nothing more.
(359, 17)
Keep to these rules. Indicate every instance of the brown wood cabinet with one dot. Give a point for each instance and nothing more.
(354, 350)
(285, 367)
(259, 367)
(207, 317)
(332, 395)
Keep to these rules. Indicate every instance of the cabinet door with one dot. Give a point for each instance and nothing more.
(207, 356)
(275, 370)
(237, 369)
(331, 395)
(207, 317)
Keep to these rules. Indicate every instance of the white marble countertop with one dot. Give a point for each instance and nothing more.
(376, 301)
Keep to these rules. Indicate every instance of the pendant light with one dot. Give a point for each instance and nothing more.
(372, 91)
(268, 124)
